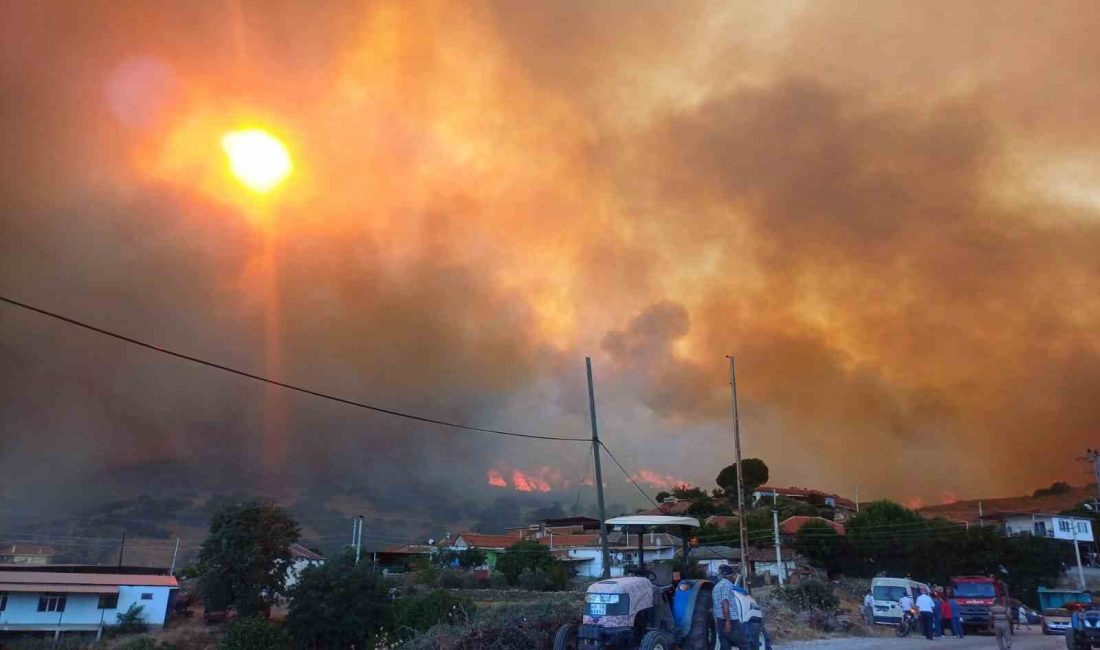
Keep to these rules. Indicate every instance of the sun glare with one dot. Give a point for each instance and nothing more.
(257, 158)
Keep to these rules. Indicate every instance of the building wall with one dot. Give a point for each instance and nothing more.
(772, 568)
(83, 609)
(1056, 527)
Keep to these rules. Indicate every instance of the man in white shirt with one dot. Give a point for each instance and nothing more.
(906, 602)
(869, 608)
(927, 608)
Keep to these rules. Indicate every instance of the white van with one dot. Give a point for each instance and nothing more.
(887, 592)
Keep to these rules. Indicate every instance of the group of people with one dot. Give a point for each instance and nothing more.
(939, 611)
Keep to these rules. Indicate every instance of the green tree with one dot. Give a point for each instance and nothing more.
(466, 559)
(821, 544)
(337, 604)
(254, 633)
(521, 556)
(662, 495)
(688, 492)
(756, 474)
(244, 560)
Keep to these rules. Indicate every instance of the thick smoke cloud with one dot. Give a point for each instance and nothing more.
(885, 215)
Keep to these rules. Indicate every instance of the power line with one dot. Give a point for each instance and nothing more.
(274, 382)
(628, 476)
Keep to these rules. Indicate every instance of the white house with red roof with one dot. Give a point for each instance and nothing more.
(59, 603)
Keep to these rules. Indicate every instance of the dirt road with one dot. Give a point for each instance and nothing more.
(1024, 640)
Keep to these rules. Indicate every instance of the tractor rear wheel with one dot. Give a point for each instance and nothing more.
(566, 638)
(654, 640)
(704, 631)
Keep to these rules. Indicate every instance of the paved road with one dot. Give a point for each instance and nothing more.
(1024, 640)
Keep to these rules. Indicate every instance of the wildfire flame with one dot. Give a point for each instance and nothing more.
(656, 479)
(541, 479)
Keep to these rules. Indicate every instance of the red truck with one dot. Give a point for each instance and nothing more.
(975, 595)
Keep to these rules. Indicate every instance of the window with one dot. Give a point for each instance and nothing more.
(1065, 525)
(147, 596)
(1041, 528)
(3, 601)
(1082, 526)
(51, 603)
(108, 601)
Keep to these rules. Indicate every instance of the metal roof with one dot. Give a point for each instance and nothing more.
(110, 579)
(653, 520)
(58, 588)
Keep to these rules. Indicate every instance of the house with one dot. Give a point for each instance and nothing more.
(564, 525)
(762, 561)
(301, 558)
(721, 521)
(493, 545)
(843, 508)
(78, 601)
(585, 553)
(26, 554)
(671, 506)
(1041, 525)
(402, 555)
(791, 525)
(712, 557)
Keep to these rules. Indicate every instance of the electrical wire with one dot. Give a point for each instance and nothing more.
(281, 384)
(628, 476)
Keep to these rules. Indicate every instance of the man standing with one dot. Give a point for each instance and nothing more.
(1001, 620)
(927, 608)
(726, 607)
(869, 608)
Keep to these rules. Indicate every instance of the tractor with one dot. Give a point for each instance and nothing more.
(646, 610)
(1084, 627)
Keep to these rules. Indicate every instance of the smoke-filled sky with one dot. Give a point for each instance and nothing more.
(887, 211)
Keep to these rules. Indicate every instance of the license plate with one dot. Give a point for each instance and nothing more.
(597, 609)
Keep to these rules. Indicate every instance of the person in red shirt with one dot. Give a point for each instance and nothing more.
(945, 613)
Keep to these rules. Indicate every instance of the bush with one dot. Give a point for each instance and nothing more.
(254, 634)
(420, 612)
(426, 574)
(471, 581)
(557, 577)
(523, 626)
(450, 579)
(140, 643)
(533, 580)
(809, 595)
(130, 621)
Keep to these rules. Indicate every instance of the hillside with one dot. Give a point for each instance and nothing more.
(1049, 503)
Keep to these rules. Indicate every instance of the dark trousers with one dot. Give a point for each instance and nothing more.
(926, 624)
(945, 626)
(740, 637)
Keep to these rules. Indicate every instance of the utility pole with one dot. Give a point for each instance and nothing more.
(1094, 456)
(778, 549)
(857, 499)
(740, 477)
(172, 571)
(121, 548)
(358, 536)
(1077, 552)
(599, 473)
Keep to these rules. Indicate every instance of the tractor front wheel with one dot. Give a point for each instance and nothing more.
(566, 638)
(654, 640)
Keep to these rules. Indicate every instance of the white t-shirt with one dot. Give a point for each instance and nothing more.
(868, 601)
(906, 602)
(925, 603)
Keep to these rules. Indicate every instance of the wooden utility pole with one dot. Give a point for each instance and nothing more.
(740, 478)
(599, 473)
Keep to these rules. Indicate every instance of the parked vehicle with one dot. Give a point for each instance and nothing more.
(646, 611)
(1054, 604)
(887, 593)
(976, 594)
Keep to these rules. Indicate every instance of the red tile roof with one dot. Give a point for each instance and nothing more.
(792, 525)
(477, 540)
(721, 521)
(571, 540)
(806, 492)
(299, 552)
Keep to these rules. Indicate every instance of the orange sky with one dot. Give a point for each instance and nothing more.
(887, 212)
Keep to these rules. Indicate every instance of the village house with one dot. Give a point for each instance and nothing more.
(1043, 525)
(791, 525)
(80, 600)
(762, 561)
(301, 558)
(492, 545)
(26, 554)
(844, 509)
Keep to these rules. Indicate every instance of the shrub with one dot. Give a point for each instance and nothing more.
(132, 620)
(420, 612)
(254, 633)
(533, 580)
(140, 643)
(450, 579)
(504, 627)
(557, 577)
(808, 595)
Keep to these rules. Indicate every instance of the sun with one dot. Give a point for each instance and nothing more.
(257, 158)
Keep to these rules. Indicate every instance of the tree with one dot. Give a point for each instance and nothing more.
(883, 534)
(821, 544)
(243, 562)
(254, 633)
(688, 492)
(525, 555)
(467, 559)
(662, 495)
(337, 604)
(756, 474)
